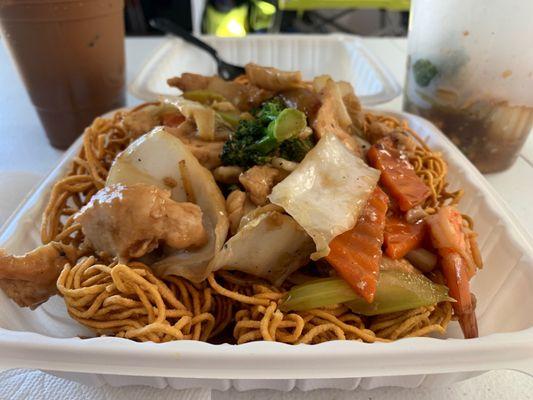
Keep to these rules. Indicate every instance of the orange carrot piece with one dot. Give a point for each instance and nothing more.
(401, 237)
(397, 174)
(356, 254)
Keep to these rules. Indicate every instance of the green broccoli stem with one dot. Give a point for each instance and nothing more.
(287, 125)
(265, 145)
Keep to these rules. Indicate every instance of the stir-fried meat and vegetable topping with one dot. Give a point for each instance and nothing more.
(265, 208)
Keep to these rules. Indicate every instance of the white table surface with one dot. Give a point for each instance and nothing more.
(25, 156)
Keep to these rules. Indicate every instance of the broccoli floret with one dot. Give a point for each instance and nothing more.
(295, 149)
(269, 111)
(424, 71)
(237, 150)
(256, 141)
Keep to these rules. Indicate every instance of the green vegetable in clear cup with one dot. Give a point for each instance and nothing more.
(424, 71)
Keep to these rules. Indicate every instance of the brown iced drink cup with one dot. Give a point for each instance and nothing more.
(70, 55)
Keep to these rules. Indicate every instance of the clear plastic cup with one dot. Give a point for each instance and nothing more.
(470, 71)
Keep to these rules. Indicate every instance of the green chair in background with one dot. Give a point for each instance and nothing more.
(266, 15)
(346, 7)
(303, 5)
(251, 16)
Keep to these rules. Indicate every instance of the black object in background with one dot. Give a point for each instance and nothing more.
(137, 13)
(225, 70)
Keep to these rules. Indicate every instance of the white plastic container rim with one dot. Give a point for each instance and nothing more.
(279, 362)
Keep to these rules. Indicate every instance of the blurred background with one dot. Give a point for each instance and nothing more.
(244, 17)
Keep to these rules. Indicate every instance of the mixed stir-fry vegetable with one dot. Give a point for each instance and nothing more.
(274, 130)
(286, 181)
(328, 184)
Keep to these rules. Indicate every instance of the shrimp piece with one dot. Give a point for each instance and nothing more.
(454, 269)
(458, 264)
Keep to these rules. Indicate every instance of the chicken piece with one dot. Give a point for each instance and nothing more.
(139, 122)
(130, 221)
(259, 181)
(227, 174)
(29, 280)
(333, 116)
(404, 142)
(303, 99)
(376, 130)
(244, 96)
(189, 81)
(237, 205)
(145, 117)
(272, 78)
(206, 152)
(353, 107)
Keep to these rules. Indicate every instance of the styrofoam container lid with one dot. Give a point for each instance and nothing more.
(344, 57)
(48, 339)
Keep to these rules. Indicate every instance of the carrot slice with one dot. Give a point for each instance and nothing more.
(397, 174)
(356, 254)
(401, 237)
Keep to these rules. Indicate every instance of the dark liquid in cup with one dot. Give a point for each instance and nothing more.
(489, 132)
(70, 55)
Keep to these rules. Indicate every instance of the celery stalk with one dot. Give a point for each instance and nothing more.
(231, 118)
(203, 96)
(396, 291)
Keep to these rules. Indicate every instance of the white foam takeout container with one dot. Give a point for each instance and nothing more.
(46, 338)
(343, 56)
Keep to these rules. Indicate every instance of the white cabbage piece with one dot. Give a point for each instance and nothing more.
(271, 246)
(161, 159)
(326, 192)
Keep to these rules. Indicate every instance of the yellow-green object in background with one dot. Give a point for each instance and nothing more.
(262, 15)
(301, 5)
(233, 23)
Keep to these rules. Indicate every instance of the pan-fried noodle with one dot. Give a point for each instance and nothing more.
(128, 300)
